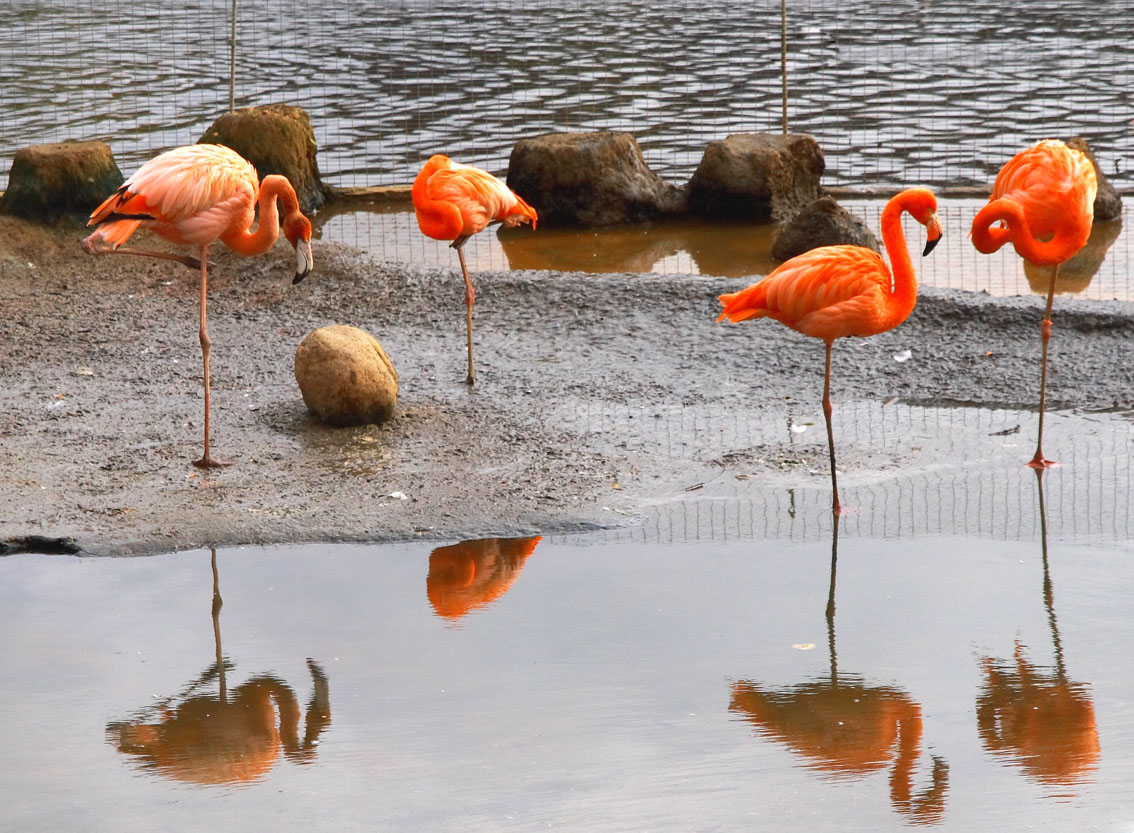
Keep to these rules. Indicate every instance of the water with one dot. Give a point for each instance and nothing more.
(895, 91)
(967, 681)
(735, 249)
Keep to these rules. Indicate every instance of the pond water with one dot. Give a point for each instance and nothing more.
(735, 249)
(784, 679)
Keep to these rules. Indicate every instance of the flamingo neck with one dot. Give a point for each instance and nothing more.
(903, 297)
(1070, 235)
(272, 188)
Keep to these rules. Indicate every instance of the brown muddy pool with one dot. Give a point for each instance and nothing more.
(771, 676)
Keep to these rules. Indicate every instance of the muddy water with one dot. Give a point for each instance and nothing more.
(787, 680)
(1101, 271)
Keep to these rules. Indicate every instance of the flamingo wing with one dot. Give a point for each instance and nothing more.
(191, 194)
(480, 197)
(827, 293)
(1048, 180)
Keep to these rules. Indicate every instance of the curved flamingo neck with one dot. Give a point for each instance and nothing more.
(903, 298)
(272, 188)
(1069, 237)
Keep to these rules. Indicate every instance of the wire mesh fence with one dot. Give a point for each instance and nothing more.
(896, 92)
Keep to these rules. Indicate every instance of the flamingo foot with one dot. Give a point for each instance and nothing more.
(470, 380)
(210, 462)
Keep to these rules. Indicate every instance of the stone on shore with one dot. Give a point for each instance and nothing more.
(51, 181)
(756, 176)
(276, 139)
(345, 376)
(590, 180)
(823, 223)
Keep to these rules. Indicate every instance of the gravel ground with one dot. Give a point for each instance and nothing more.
(101, 402)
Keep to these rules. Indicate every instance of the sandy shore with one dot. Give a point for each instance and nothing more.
(571, 424)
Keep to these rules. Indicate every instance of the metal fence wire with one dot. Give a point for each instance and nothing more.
(896, 92)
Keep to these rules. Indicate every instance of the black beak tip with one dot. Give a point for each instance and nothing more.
(298, 277)
(929, 245)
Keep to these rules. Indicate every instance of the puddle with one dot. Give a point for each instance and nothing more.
(1100, 272)
(769, 676)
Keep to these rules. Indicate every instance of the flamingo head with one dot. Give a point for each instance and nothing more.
(922, 206)
(297, 230)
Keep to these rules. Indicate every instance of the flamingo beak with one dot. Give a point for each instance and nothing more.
(933, 236)
(303, 260)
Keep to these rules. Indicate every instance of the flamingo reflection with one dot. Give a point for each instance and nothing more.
(472, 574)
(843, 726)
(1034, 716)
(228, 737)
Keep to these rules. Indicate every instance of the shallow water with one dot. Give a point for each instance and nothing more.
(620, 680)
(734, 249)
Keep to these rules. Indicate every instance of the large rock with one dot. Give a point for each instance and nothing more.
(68, 178)
(345, 376)
(276, 139)
(823, 223)
(757, 176)
(590, 180)
(1108, 204)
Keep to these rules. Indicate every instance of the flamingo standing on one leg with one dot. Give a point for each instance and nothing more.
(1044, 200)
(836, 291)
(454, 202)
(194, 195)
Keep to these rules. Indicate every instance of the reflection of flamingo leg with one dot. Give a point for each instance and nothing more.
(217, 602)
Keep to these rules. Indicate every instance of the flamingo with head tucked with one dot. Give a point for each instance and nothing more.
(195, 195)
(454, 202)
(1043, 203)
(837, 291)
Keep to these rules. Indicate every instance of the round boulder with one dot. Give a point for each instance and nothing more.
(1108, 203)
(823, 223)
(345, 376)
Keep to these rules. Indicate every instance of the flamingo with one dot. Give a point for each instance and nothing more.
(195, 195)
(454, 202)
(836, 291)
(1043, 202)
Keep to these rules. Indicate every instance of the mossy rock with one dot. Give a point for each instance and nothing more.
(48, 182)
(276, 139)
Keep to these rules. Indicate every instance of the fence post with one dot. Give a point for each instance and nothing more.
(232, 60)
(783, 58)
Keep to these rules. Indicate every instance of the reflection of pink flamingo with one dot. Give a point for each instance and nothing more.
(1038, 717)
(1043, 202)
(472, 574)
(846, 727)
(229, 737)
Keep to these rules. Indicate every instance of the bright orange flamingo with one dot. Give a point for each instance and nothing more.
(193, 196)
(454, 202)
(1043, 201)
(836, 291)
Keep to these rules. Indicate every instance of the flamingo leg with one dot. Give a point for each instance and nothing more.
(206, 461)
(191, 262)
(470, 294)
(836, 507)
(1039, 461)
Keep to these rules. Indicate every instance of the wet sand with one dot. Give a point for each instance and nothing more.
(100, 410)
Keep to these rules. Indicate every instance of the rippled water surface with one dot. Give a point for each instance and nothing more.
(895, 91)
